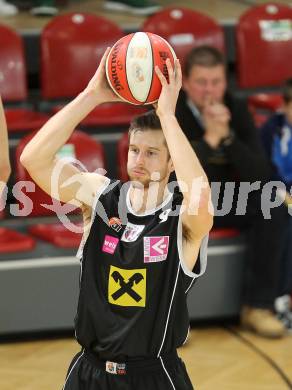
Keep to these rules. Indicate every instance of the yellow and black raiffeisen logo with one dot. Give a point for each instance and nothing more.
(127, 287)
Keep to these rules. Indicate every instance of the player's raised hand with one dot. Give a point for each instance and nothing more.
(169, 93)
(99, 86)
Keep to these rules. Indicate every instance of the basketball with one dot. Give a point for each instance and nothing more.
(130, 67)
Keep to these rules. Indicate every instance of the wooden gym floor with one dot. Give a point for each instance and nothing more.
(224, 11)
(216, 359)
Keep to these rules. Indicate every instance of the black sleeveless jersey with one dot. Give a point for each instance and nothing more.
(133, 281)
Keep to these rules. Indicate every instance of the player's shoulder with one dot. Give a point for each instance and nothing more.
(92, 183)
(94, 178)
(104, 186)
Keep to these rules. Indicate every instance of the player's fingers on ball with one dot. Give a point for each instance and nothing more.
(160, 75)
(178, 72)
(95, 77)
(105, 54)
(170, 70)
(101, 67)
(103, 59)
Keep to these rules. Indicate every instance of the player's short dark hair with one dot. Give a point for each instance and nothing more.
(287, 91)
(147, 121)
(206, 56)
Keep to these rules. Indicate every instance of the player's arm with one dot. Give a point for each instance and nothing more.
(197, 219)
(39, 155)
(5, 168)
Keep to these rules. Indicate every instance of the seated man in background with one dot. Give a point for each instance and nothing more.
(225, 140)
(276, 136)
(5, 168)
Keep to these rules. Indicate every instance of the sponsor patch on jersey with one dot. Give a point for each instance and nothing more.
(132, 232)
(127, 287)
(109, 244)
(155, 249)
(115, 368)
(115, 223)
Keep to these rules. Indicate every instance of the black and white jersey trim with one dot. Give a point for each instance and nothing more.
(187, 336)
(202, 257)
(72, 368)
(165, 370)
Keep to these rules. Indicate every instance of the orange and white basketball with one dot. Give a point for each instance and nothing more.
(130, 67)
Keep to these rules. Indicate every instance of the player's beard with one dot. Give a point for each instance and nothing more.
(145, 181)
(140, 182)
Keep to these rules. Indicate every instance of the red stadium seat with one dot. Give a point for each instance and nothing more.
(184, 29)
(262, 104)
(12, 241)
(122, 157)
(259, 118)
(75, 42)
(12, 65)
(117, 114)
(57, 234)
(263, 36)
(13, 86)
(85, 149)
(220, 233)
(266, 101)
(21, 119)
(71, 48)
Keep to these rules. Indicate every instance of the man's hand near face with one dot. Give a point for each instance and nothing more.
(216, 118)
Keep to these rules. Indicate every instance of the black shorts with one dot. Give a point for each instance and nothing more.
(165, 373)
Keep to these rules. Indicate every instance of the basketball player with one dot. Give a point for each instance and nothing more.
(139, 256)
(5, 169)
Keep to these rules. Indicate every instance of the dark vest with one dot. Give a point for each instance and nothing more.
(133, 284)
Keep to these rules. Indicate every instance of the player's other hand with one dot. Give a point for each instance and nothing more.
(168, 97)
(99, 86)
